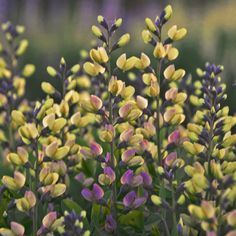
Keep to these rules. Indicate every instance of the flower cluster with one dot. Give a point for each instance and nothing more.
(151, 154)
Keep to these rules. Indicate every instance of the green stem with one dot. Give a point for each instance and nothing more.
(114, 191)
(35, 210)
(174, 218)
(158, 128)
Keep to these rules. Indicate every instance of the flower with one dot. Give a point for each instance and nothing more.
(132, 201)
(95, 194)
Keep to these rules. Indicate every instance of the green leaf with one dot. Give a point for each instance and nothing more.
(134, 219)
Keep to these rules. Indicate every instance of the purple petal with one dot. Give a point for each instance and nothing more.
(128, 154)
(98, 192)
(109, 172)
(136, 181)
(129, 199)
(168, 161)
(139, 201)
(80, 177)
(87, 194)
(147, 179)
(174, 137)
(127, 177)
(96, 149)
(110, 225)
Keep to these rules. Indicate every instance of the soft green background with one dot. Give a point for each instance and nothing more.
(58, 28)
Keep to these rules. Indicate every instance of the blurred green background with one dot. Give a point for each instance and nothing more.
(58, 28)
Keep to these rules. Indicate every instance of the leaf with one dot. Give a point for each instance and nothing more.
(98, 214)
(134, 219)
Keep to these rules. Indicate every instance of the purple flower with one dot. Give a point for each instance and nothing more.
(110, 173)
(147, 179)
(174, 137)
(170, 159)
(132, 201)
(93, 195)
(83, 180)
(110, 224)
(130, 179)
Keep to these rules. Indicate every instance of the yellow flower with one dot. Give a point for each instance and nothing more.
(19, 158)
(171, 74)
(27, 202)
(99, 55)
(93, 69)
(142, 62)
(115, 86)
(126, 64)
(146, 36)
(15, 183)
(176, 34)
(159, 50)
(28, 132)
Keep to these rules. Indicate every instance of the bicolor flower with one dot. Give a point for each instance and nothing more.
(15, 183)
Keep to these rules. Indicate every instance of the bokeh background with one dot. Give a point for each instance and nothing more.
(58, 28)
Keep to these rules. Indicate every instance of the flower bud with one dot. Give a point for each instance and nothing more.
(150, 25)
(51, 71)
(147, 36)
(124, 39)
(96, 31)
(75, 69)
(28, 70)
(22, 47)
(48, 88)
(156, 200)
(168, 12)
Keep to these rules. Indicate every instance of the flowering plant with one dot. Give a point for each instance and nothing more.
(151, 155)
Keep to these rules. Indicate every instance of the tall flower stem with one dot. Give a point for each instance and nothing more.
(111, 118)
(174, 219)
(35, 210)
(158, 131)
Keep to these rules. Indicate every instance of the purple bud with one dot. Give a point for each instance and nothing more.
(147, 179)
(110, 224)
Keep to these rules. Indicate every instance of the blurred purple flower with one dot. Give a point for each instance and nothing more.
(130, 179)
(93, 195)
(132, 201)
(110, 224)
